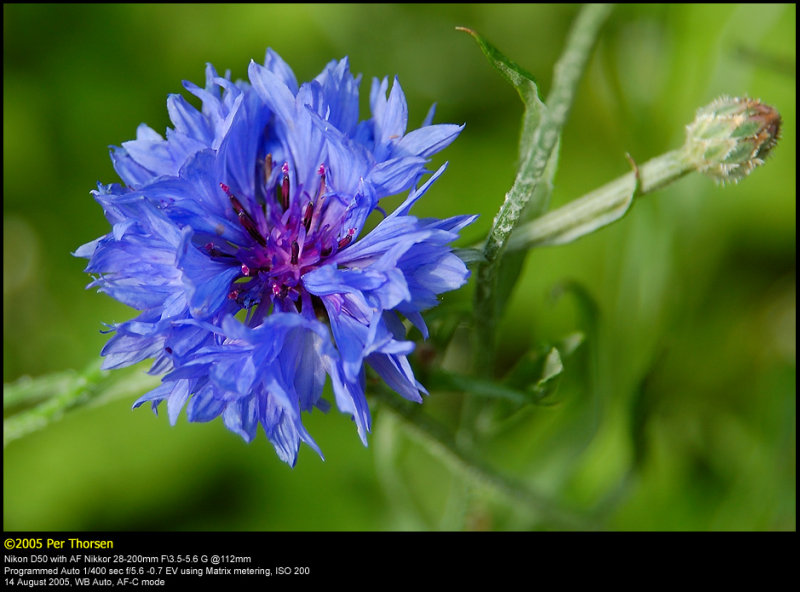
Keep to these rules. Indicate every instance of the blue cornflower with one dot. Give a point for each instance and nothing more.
(239, 238)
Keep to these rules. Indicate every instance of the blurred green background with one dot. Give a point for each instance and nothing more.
(678, 412)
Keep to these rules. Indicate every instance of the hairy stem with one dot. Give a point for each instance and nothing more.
(601, 206)
(64, 392)
(532, 166)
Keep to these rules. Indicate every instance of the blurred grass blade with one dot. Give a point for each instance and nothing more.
(440, 442)
(588, 307)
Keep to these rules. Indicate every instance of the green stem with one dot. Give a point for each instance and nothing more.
(27, 391)
(601, 206)
(565, 80)
(64, 392)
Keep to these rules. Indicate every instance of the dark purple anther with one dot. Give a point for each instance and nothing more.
(285, 186)
(267, 168)
(309, 211)
(346, 240)
(295, 252)
(168, 349)
(244, 218)
(213, 251)
(233, 294)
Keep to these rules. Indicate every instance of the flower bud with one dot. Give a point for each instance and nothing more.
(731, 136)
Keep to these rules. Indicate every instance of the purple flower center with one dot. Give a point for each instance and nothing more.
(291, 233)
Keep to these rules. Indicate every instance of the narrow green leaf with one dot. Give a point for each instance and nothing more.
(469, 256)
(450, 381)
(534, 378)
(522, 190)
(551, 373)
(567, 345)
(537, 374)
(515, 74)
